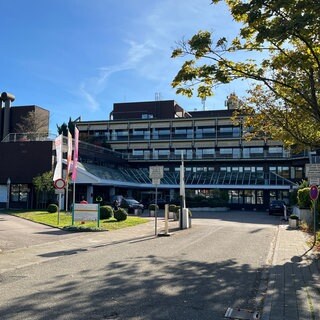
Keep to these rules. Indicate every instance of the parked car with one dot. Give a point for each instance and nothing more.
(277, 207)
(131, 205)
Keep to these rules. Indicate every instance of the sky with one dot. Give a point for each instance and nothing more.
(79, 57)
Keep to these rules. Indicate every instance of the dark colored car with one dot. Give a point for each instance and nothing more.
(276, 207)
(131, 205)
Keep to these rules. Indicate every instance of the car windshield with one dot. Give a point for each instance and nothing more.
(131, 201)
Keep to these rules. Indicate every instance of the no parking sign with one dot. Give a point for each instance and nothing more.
(314, 192)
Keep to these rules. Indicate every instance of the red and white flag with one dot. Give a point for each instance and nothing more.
(75, 154)
(69, 154)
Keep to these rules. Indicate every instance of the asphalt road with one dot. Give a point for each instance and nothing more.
(20, 233)
(194, 274)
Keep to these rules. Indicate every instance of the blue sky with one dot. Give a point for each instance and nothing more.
(78, 57)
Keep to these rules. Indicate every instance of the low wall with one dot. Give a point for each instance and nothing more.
(206, 209)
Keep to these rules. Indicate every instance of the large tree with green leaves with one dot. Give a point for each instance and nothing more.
(284, 39)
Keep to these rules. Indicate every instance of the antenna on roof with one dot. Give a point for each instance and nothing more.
(203, 101)
(157, 96)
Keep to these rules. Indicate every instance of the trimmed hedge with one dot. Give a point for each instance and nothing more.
(120, 214)
(153, 207)
(106, 212)
(52, 208)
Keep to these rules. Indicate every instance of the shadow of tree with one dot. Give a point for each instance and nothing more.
(142, 288)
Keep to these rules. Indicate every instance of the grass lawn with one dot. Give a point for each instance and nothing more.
(65, 220)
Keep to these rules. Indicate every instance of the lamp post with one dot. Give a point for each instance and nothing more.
(8, 192)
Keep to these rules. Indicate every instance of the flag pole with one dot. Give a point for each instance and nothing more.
(75, 162)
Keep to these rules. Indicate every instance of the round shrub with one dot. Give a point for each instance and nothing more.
(172, 208)
(153, 207)
(52, 208)
(120, 214)
(106, 212)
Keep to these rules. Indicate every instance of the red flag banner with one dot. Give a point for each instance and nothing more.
(75, 154)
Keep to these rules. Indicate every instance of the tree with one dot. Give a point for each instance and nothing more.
(43, 185)
(63, 129)
(284, 102)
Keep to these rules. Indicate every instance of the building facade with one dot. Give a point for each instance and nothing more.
(23, 154)
(215, 154)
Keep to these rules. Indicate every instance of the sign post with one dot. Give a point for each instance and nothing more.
(156, 174)
(314, 194)
(59, 185)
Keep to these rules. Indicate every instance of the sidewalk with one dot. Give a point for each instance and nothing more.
(293, 291)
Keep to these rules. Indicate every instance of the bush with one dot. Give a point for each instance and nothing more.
(52, 208)
(294, 217)
(106, 212)
(120, 214)
(172, 207)
(304, 200)
(153, 207)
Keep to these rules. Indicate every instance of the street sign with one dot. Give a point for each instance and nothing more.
(59, 184)
(314, 181)
(156, 172)
(59, 191)
(314, 192)
(155, 181)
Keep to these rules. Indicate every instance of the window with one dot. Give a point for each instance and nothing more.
(205, 132)
(119, 135)
(298, 172)
(19, 192)
(161, 133)
(229, 132)
(147, 116)
(254, 152)
(140, 134)
(181, 133)
(138, 154)
(205, 153)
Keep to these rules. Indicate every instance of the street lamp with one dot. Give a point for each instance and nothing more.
(8, 192)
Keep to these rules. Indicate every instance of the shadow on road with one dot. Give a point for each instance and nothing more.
(129, 289)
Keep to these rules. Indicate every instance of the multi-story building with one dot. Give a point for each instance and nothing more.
(215, 155)
(23, 154)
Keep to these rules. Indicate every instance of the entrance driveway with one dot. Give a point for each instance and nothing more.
(18, 233)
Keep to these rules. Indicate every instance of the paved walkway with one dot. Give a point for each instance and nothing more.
(77, 242)
(294, 283)
(293, 286)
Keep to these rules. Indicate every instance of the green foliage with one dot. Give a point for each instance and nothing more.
(284, 102)
(294, 217)
(153, 207)
(120, 214)
(106, 212)
(172, 207)
(43, 182)
(304, 200)
(63, 129)
(52, 208)
(81, 228)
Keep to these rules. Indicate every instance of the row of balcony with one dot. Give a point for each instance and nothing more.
(176, 157)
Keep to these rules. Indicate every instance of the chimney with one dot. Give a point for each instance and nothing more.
(6, 98)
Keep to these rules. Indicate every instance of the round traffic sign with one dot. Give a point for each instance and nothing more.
(314, 192)
(59, 184)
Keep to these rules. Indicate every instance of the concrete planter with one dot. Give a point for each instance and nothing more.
(293, 223)
(171, 215)
(151, 213)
